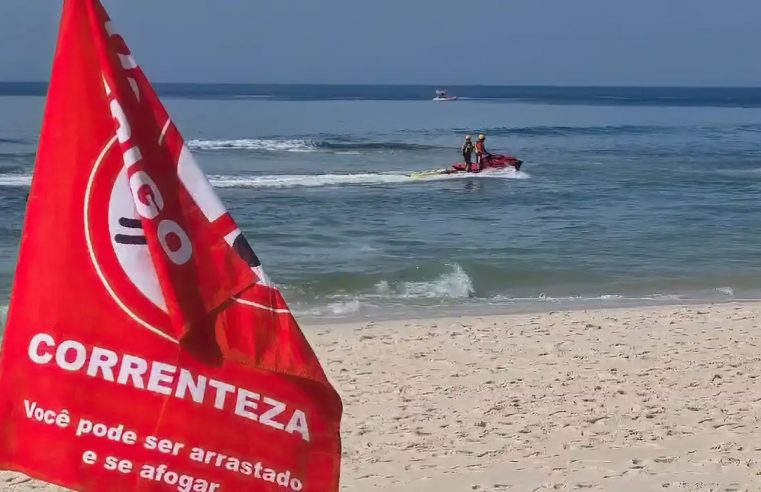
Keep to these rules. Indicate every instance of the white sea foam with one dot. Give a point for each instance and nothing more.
(15, 180)
(292, 180)
(305, 180)
(727, 291)
(310, 180)
(261, 144)
(343, 308)
(455, 284)
(544, 298)
(383, 288)
(610, 297)
(318, 180)
(339, 308)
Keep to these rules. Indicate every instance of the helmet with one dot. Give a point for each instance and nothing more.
(467, 137)
(482, 137)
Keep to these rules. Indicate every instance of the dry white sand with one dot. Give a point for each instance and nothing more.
(665, 398)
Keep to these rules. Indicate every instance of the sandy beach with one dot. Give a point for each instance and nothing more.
(526, 262)
(664, 398)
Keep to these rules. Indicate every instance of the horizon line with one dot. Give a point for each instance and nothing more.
(400, 84)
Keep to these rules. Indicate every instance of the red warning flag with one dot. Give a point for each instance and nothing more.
(144, 347)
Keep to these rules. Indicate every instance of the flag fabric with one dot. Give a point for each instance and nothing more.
(145, 349)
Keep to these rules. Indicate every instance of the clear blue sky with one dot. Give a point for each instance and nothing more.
(556, 42)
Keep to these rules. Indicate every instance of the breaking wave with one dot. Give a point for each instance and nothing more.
(261, 144)
(454, 284)
(338, 309)
(15, 180)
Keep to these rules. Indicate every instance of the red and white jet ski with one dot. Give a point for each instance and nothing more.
(496, 161)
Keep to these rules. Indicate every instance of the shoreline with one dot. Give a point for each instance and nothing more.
(485, 309)
(625, 399)
(308, 318)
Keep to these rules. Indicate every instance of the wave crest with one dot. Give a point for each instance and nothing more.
(455, 284)
(261, 144)
(15, 180)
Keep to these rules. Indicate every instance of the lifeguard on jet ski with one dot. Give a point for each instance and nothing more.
(484, 159)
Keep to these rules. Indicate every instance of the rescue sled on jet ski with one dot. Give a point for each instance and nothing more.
(495, 161)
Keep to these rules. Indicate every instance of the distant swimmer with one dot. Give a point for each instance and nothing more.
(481, 153)
(467, 153)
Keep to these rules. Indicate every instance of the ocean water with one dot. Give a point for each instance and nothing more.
(627, 195)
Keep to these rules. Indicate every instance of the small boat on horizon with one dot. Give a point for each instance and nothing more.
(442, 95)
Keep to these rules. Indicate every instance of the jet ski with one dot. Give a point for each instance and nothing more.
(496, 161)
